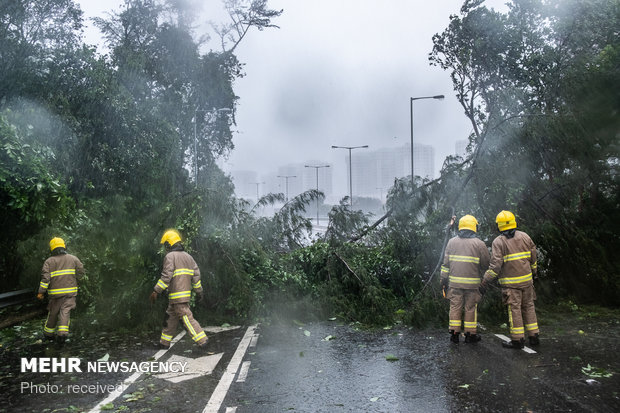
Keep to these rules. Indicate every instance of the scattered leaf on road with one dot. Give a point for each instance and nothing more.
(307, 333)
(595, 372)
(105, 358)
(391, 357)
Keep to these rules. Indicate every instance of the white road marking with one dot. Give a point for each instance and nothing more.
(243, 372)
(525, 348)
(231, 409)
(201, 366)
(217, 398)
(254, 340)
(131, 379)
(217, 329)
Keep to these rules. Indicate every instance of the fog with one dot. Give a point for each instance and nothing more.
(334, 73)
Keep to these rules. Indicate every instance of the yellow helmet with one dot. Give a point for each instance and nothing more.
(468, 222)
(506, 220)
(56, 242)
(171, 237)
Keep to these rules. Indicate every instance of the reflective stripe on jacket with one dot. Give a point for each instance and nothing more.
(59, 275)
(513, 261)
(464, 262)
(180, 274)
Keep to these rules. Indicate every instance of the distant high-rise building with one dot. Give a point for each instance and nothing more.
(374, 172)
(460, 148)
(244, 183)
(300, 179)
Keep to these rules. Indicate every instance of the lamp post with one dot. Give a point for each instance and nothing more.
(316, 168)
(210, 111)
(287, 177)
(350, 148)
(439, 97)
(257, 184)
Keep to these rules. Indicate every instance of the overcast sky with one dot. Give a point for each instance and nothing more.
(337, 72)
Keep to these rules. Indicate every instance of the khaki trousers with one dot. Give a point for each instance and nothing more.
(180, 312)
(521, 311)
(58, 316)
(463, 298)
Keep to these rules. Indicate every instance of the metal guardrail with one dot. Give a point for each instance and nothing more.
(15, 297)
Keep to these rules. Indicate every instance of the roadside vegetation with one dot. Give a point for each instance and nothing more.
(102, 151)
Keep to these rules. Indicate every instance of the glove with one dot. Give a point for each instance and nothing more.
(199, 297)
(153, 297)
(40, 296)
(482, 289)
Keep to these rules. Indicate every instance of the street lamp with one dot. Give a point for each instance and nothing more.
(316, 168)
(439, 97)
(257, 184)
(211, 112)
(350, 175)
(287, 177)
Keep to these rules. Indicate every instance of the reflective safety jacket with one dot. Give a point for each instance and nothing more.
(513, 261)
(59, 276)
(465, 261)
(180, 274)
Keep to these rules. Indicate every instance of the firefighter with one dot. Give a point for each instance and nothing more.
(513, 264)
(59, 279)
(180, 275)
(465, 260)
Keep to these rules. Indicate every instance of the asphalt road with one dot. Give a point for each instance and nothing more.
(327, 367)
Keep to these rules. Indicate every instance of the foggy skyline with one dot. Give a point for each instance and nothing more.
(336, 73)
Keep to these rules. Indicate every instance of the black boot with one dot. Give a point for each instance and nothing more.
(534, 340)
(60, 340)
(514, 344)
(454, 336)
(472, 338)
(48, 338)
(160, 346)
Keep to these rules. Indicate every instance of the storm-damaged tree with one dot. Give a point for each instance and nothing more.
(244, 14)
(116, 135)
(31, 33)
(540, 87)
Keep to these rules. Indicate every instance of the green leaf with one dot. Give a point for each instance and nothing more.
(391, 357)
(464, 386)
(307, 333)
(595, 372)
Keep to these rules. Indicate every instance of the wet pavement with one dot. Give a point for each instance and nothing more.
(328, 367)
(331, 366)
